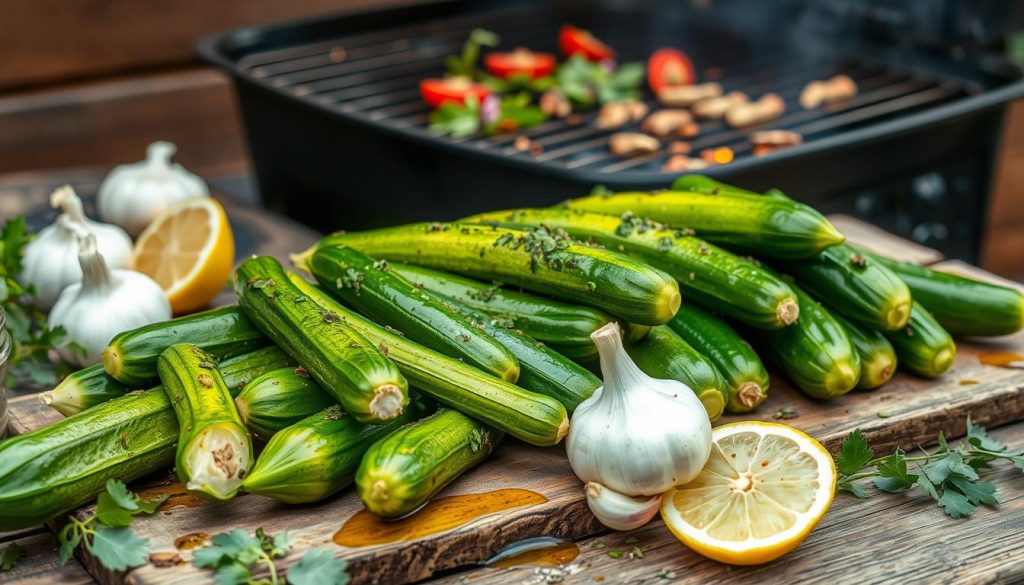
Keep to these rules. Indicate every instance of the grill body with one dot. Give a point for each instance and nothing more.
(339, 138)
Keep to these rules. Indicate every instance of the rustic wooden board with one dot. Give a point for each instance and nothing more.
(39, 564)
(889, 538)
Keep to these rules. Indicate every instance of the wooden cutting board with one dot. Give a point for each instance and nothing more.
(524, 492)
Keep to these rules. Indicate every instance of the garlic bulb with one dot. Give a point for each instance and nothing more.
(133, 195)
(105, 303)
(636, 435)
(620, 512)
(51, 259)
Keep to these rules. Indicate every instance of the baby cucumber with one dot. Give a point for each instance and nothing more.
(923, 346)
(664, 355)
(738, 363)
(405, 469)
(214, 449)
(225, 332)
(278, 399)
(541, 259)
(529, 416)
(706, 273)
(381, 294)
(318, 456)
(877, 357)
(364, 381)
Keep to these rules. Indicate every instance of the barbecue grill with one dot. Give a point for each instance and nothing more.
(338, 132)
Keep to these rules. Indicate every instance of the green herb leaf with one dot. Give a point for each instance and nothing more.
(853, 488)
(978, 437)
(110, 513)
(893, 474)
(855, 453)
(232, 574)
(118, 548)
(150, 506)
(10, 556)
(318, 567)
(69, 540)
(120, 495)
(981, 492)
(940, 469)
(464, 64)
(456, 119)
(955, 504)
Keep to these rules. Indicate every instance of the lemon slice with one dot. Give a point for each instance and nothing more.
(189, 251)
(762, 491)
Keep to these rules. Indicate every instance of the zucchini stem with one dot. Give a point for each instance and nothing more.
(217, 460)
(749, 394)
(787, 312)
(387, 402)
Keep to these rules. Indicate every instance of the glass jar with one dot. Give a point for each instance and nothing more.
(5, 354)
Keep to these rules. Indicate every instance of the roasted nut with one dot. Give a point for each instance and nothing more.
(716, 107)
(678, 96)
(776, 138)
(689, 130)
(679, 148)
(632, 143)
(165, 559)
(522, 143)
(574, 119)
(554, 103)
(818, 93)
(769, 107)
(681, 162)
(665, 122)
(618, 114)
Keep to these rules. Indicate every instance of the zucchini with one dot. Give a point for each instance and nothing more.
(225, 332)
(859, 288)
(531, 417)
(754, 224)
(318, 456)
(664, 355)
(404, 470)
(59, 467)
(543, 260)
(738, 363)
(877, 356)
(366, 383)
(214, 449)
(374, 290)
(963, 306)
(564, 327)
(278, 399)
(815, 352)
(708, 186)
(92, 385)
(923, 346)
(708, 274)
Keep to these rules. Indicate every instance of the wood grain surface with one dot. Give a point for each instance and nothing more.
(39, 564)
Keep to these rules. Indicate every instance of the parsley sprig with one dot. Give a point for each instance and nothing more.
(105, 534)
(949, 474)
(589, 84)
(234, 553)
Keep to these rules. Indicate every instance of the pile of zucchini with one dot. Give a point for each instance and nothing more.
(418, 348)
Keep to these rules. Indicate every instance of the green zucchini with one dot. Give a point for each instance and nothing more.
(402, 471)
(707, 185)
(564, 327)
(543, 260)
(214, 449)
(318, 456)
(815, 352)
(531, 417)
(963, 306)
(278, 399)
(863, 290)
(923, 346)
(738, 363)
(706, 273)
(664, 355)
(225, 332)
(59, 467)
(366, 383)
(374, 290)
(753, 224)
(877, 356)
(92, 385)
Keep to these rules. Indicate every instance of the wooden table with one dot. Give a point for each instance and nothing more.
(887, 538)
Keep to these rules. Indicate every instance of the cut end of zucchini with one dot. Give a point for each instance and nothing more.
(830, 236)
(787, 312)
(387, 403)
(242, 406)
(877, 372)
(898, 315)
(563, 430)
(668, 302)
(713, 403)
(943, 360)
(112, 362)
(218, 460)
(511, 375)
(749, 395)
(841, 380)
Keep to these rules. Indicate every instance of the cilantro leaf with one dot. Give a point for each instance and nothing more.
(69, 540)
(940, 469)
(318, 567)
(118, 548)
(110, 513)
(893, 475)
(855, 453)
(978, 437)
(955, 504)
(10, 556)
(282, 542)
(232, 574)
(853, 488)
(1018, 460)
(14, 237)
(455, 119)
(981, 492)
(121, 496)
(150, 506)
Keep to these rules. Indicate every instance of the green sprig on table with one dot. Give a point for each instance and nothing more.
(949, 475)
(234, 553)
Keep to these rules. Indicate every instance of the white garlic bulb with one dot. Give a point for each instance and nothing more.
(620, 512)
(637, 435)
(132, 195)
(51, 259)
(105, 303)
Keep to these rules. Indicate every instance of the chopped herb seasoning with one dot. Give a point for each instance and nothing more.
(785, 413)
(381, 265)
(858, 260)
(664, 244)
(614, 553)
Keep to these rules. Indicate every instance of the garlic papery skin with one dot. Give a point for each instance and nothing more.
(51, 259)
(637, 435)
(105, 303)
(620, 512)
(132, 195)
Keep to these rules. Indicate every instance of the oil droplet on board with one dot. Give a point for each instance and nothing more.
(535, 552)
(191, 540)
(968, 382)
(367, 529)
(177, 497)
(1002, 359)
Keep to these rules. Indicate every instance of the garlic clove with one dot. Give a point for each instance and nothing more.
(618, 511)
